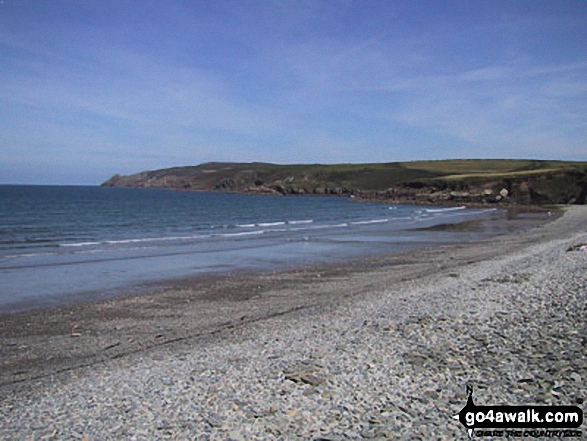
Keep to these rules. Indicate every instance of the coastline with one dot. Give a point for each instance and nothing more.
(437, 182)
(278, 322)
(120, 322)
(101, 252)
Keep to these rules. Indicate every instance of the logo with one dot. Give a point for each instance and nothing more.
(526, 421)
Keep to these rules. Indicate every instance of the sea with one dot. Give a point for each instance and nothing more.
(61, 245)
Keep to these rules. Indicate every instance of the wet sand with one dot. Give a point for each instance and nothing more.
(38, 344)
(380, 348)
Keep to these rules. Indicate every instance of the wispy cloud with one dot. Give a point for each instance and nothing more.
(504, 108)
(115, 87)
(520, 108)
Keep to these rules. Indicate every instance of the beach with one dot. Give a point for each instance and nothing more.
(379, 348)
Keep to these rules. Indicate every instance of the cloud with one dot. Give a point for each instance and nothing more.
(176, 83)
(123, 112)
(515, 108)
(137, 91)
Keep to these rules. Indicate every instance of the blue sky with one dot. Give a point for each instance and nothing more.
(92, 88)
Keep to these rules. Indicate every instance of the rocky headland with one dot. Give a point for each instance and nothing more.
(503, 182)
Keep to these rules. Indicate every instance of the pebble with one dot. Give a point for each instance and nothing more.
(391, 365)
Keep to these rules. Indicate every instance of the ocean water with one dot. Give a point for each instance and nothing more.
(63, 244)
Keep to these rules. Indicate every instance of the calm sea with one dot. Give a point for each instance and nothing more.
(62, 244)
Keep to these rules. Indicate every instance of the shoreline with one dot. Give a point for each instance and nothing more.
(49, 334)
(503, 204)
(55, 272)
(290, 315)
(488, 225)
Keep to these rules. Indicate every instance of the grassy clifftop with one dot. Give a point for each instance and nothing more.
(472, 180)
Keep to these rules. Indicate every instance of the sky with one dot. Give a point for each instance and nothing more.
(90, 88)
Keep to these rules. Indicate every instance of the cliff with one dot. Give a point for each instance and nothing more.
(451, 181)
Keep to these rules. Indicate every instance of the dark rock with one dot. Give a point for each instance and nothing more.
(226, 184)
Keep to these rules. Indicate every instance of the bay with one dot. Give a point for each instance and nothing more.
(63, 244)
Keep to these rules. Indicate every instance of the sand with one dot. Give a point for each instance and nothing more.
(379, 348)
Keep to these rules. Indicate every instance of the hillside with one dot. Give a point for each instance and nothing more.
(462, 180)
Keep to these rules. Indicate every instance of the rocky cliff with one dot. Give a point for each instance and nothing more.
(455, 181)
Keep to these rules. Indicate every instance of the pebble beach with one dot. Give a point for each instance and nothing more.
(383, 349)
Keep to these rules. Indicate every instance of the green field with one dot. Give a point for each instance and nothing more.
(385, 175)
(547, 181)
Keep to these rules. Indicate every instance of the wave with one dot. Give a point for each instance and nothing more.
(244, 233)
(155, 239)
(26, 241)
(127, 241)
(80, 244)
(296, 222)
(402, 218)
(373, 221)
(275, 223)
(344, 224)
(16, 256)
(250, 229)
(270, 224)
(442, 210)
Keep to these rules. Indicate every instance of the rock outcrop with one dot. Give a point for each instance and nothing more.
(435, 183)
